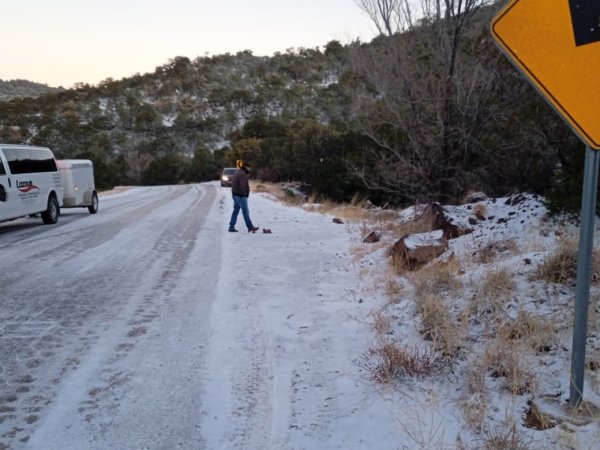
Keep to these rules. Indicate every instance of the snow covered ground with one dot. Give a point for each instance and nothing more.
(306, 304)
(314, 301)
(270, 340)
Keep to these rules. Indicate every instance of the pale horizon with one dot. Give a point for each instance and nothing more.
(66, 42)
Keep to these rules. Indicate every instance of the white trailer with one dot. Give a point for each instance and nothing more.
(77, 178)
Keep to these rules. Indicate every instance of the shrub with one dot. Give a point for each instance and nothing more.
(506, 438)
(498, 283)
(381, 323)
(438, 326)
(487, 253)
(437, 278)
(504, 361)
(535, 332)
(388, 362)
(474, 402)
(561, 266)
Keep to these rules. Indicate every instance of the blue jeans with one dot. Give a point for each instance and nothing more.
(240, 202)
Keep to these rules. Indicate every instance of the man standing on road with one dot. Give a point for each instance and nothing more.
(240, 190)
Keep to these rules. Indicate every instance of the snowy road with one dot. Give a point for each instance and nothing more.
(148, 326)
(94, 319)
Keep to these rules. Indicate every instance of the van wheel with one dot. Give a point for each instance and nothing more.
(93, 208)
(50, 216)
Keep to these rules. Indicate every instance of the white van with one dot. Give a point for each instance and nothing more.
(29, 183)
(79, 190)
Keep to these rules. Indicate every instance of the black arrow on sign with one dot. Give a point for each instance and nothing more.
(585, 15)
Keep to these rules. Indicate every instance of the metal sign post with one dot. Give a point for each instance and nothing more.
(584, 273)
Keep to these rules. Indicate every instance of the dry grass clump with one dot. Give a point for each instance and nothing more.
(493, 290)
(476, 378)
(356, 209)
(439, 327)
(346, 211)
(381, 323)
(385, 217)
(498, 283)
(490, 251)
(393, 288)
(264, 187)
(269, 188)
(480, 210)
(390, 284)
(283, 194)
(594, 312)
(387, 283)
(592, 362)
(561, 266)
(388, 362)
(506, 438)
(474, 408)
(475, 404)
(535, 332)
(538, 420)
(436, 278)
(508, 361)
(359, 208)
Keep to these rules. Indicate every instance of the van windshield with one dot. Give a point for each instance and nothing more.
(29, 160)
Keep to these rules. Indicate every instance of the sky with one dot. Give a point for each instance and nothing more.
(63, 42)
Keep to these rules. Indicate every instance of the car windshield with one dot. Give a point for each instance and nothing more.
(229, 171)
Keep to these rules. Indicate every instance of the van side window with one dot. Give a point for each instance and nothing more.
(29, 160)
(2, 169)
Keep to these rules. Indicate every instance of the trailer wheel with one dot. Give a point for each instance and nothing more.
(50, 216)
(93, 208)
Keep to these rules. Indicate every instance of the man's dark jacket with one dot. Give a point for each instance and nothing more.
(239, 184)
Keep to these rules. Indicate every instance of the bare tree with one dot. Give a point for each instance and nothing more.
(137, 163)
(389, 16)
(423, 100)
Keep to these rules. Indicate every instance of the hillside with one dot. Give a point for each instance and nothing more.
(389, 120)
(11, 89)
(474, 347)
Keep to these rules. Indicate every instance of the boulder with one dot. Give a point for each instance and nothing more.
(479, 214)
(474, 197)
(515, 199)
(439, 220)
(372, 237)
(414, 250)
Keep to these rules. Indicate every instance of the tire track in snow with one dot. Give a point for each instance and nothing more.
(253, 406)
(238, 378)
(74, 305)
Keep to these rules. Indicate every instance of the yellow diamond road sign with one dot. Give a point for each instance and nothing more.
(556, 44)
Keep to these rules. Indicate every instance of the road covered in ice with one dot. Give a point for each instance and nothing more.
(149, 326)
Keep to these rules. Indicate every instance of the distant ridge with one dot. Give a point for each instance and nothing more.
(24, 88)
